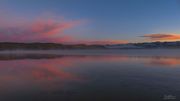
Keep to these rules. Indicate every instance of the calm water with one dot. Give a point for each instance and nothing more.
(109, 76)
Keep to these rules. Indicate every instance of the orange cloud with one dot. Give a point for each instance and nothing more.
(102, 42)
(99, 42)
(163, 37)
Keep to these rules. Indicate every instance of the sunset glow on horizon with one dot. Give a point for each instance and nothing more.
(90, 22)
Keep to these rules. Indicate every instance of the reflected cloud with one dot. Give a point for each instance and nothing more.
(48, 72)
(166, 61)
(159, 60)
(57, 71)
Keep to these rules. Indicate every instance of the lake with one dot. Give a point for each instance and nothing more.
(90, 75)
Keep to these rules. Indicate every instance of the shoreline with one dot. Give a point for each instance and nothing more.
(116, 52)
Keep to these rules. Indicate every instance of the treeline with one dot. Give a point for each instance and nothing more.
(44, 46)
(53, 46)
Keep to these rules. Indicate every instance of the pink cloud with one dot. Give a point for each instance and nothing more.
(43, 29)
(46, 30)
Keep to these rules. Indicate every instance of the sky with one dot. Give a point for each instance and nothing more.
(89, 21)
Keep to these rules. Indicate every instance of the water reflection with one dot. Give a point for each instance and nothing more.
(158, 60)
(77, 77)
(66, 59)
(165, 61)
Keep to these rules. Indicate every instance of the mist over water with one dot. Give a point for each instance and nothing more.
(89, 75)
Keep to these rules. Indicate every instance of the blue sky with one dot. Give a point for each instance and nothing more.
(106, 19)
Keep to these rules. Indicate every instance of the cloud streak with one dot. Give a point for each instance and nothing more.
(163, 37)
(46, 30)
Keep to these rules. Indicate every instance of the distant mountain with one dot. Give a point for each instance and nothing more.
(52, 46)
(146, 45)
